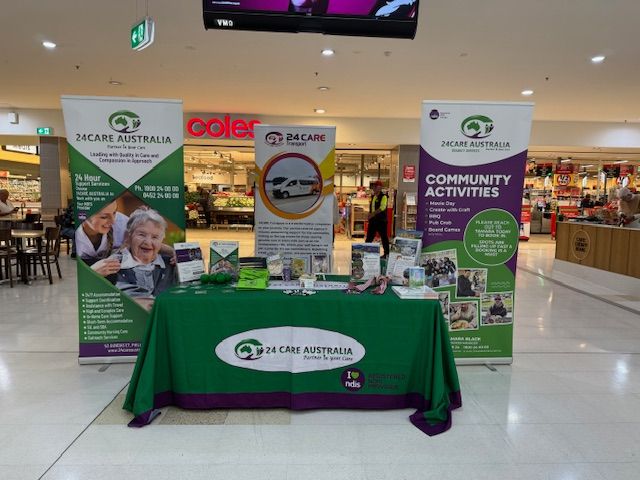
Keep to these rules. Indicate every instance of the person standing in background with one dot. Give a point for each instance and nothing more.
(6, 207)
(378, 217)
(205, 203)
(629, 208)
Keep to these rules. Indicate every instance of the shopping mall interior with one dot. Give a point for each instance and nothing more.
(566, 407)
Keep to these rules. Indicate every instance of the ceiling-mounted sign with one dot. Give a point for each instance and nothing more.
(30, 149)
(566, 168)
(142, 34)
(44, 131)
(221, 127)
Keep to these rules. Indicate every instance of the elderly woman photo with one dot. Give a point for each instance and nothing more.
(144, 272)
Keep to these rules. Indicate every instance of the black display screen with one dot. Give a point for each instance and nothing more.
(374, 18)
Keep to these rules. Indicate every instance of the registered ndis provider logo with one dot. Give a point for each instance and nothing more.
(434, 114)
(352, 379)
(275, 139)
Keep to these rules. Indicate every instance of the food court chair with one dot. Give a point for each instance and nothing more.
(45, 253)
(32, 217)
(7, 254)
(63, 239)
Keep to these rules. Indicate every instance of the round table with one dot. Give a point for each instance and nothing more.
(19, 235)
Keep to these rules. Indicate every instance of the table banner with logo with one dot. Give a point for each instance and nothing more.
(204, 348)
(126, 164)
(472, 161)
(294, 202)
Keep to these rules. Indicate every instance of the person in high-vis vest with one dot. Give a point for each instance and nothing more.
(378, 217)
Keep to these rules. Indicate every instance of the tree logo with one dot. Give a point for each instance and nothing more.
(477, 126)
(249, 349)
(124, 121)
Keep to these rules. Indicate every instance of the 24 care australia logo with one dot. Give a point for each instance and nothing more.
(124, 121)
(249, 349)
(477, 126)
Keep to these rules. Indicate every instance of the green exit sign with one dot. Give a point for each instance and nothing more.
(142, 34)
(44, 131)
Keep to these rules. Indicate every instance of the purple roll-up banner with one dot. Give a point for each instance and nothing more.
(471, 175)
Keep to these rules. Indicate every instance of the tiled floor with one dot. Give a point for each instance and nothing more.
(567, 409)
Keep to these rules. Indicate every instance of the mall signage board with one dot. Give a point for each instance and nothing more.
(126, 164)
(294, 201)
(221, 127)
(472, 165)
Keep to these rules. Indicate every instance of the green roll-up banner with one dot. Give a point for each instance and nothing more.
(126, 164)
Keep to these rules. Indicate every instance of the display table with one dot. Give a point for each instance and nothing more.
(214, 347)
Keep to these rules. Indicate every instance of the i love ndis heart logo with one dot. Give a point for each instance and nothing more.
(352, 379)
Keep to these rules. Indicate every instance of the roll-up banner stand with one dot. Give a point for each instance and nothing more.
(126, 164)
(295, 199)
(472, 163)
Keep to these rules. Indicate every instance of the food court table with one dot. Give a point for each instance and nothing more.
(214, 347)
(21, 235)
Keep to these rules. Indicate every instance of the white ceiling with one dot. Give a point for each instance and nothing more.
(464, 49)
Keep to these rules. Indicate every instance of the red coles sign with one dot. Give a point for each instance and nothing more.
(221, 127)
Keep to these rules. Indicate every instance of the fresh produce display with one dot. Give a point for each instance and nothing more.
(233, 202)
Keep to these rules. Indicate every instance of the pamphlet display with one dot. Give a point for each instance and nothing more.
(472, 164)
(365, 261)
(294, 200)
(223, 257)
(189, 261)
(126, 164)
(404, 253)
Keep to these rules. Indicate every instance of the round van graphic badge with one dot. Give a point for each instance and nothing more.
(477, 126)
(124, 121)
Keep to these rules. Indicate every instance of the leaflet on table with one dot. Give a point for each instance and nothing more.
(188, 261)
(223, 257)
(318, 285)
(424, 293)
(404, 253)
(365, 261)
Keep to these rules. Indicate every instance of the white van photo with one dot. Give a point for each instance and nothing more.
(293, 187)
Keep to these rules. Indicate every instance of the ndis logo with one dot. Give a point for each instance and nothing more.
(249, 349)
(434, 114)
(124, 121)
(352, 379)
(275, 139)
(477, 126)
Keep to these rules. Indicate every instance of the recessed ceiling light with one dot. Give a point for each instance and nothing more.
(566, 160)
(587, 166)
(622, 161)
(598, 59)
(49, 45)
(527, 93)
(323, 89)
(327, 52)
(319, 110)
(115, 82)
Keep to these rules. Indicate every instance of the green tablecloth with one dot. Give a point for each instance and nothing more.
(213, 347)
